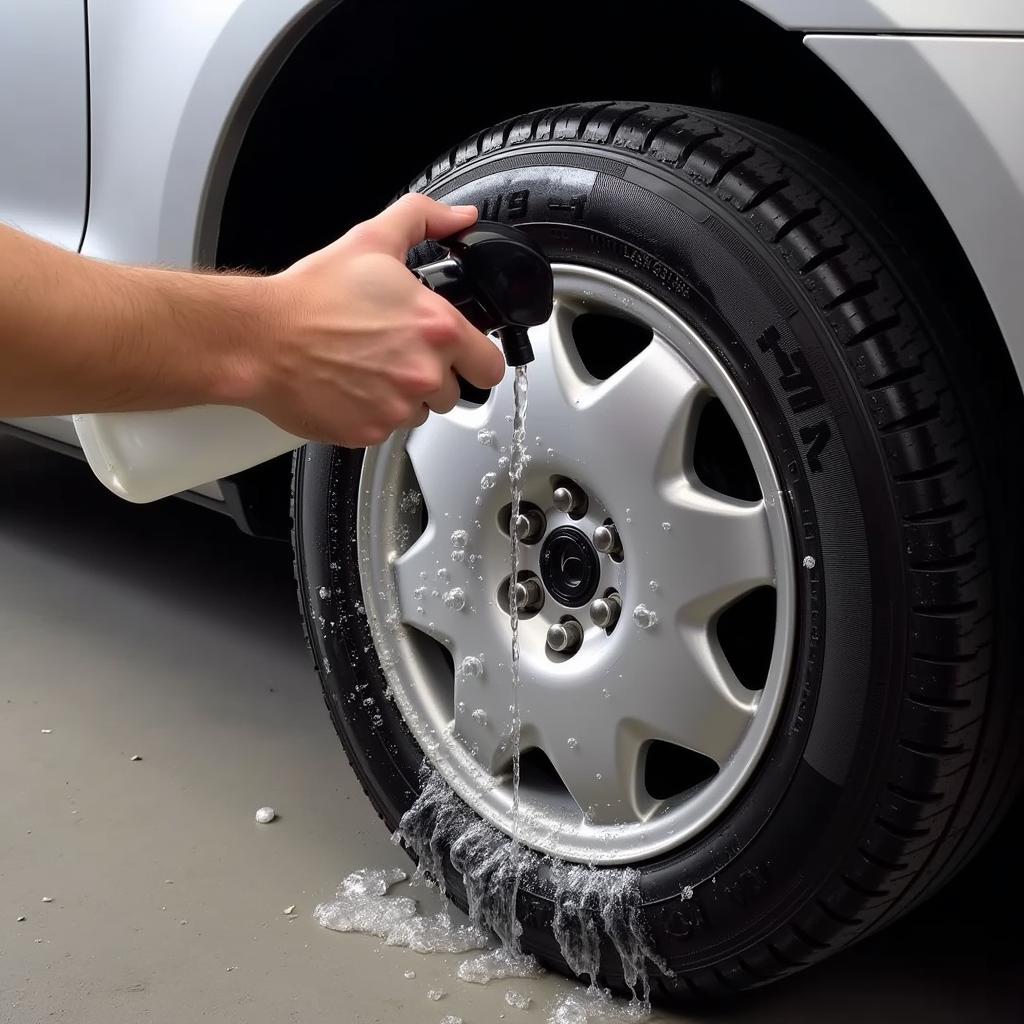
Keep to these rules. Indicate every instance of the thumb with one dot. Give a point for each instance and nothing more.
(413, 218)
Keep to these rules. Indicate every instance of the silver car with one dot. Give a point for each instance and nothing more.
(770, 542)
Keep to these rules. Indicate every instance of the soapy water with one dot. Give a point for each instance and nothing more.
(582, 1006)
(590, 904)
(362, 904)
(520, 1000)
(498, 965)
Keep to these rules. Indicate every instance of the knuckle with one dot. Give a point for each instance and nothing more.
(419, 379)
(440, 326)
(415, 201)
(372, 434)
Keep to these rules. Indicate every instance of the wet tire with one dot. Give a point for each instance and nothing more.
(898, 746)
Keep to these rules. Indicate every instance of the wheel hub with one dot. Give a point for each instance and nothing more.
(569, 566)
(636, 561)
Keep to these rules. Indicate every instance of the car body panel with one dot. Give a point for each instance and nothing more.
(988, 17)
(44, 119)
(173, 87)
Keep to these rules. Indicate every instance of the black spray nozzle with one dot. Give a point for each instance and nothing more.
(499, 279)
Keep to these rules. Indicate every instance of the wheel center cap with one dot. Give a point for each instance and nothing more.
(569, 566)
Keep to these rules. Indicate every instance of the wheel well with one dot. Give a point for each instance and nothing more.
(377, 89)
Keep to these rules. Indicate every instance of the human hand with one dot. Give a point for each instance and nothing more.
(355, 347)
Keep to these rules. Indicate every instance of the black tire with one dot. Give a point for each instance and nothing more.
(898, 747)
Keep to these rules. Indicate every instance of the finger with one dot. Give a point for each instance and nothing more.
(443, 400)
(476, 357)
(414, 217)
(418, 418)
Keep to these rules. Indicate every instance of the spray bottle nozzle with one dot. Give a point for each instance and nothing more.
(499, 279)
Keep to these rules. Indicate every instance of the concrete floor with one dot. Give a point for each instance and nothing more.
(162, 631)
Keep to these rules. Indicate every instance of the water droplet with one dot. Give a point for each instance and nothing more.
(550, 453)
(572, 743)
(324, 593)
(461, 706)
(486, 437)
(367, 702)
(410, 501)
(653, 584)
(455, 599)
(419, 592)
(488, 480)
(687, 893)
(503, 462)
(644, 617)
(809, 562)
(409, 975)
(419, 609)
(480, 716)
(472, 668)
(458, 555)
(598, 776)
(435, 994)
(442, 574)
(666, 527)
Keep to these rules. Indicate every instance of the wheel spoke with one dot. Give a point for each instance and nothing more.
(601, 769)
(715, 550)
(689, 696)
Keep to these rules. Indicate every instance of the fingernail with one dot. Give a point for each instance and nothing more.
(463, 209)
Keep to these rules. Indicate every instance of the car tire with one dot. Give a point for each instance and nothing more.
(896, 748)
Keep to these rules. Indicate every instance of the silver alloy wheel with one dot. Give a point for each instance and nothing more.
(434, 562)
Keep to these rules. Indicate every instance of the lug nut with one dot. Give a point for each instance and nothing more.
(529, 596)
(606, 540)
(569, 498)
(530, 525)
(565, 637)
(604, 611)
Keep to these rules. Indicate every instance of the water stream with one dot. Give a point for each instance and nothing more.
(517, 463)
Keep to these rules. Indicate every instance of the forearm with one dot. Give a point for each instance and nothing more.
(79, 335)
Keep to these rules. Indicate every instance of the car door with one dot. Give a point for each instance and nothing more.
(44, 122)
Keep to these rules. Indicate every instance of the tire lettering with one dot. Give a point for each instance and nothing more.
(574, 206)
(796, 378)
(515, 205)
(815, 438)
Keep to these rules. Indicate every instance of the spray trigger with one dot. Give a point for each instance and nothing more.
(497, 277)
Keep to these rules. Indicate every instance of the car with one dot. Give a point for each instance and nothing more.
(769, 535)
